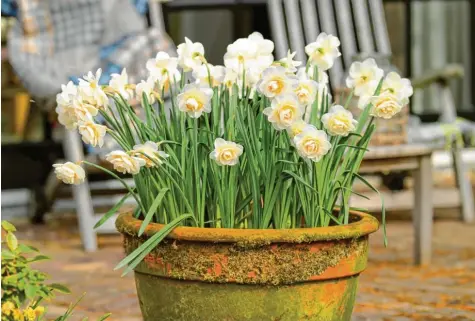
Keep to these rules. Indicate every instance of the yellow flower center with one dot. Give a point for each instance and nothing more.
(340, 123)
(311, 145)
(302, 93)
(192, 104)
(227, 155)
(276, 86)
(287, 113)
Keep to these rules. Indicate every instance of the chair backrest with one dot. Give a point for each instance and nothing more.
(360, 25)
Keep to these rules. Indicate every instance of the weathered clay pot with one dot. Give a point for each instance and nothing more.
(236, 274)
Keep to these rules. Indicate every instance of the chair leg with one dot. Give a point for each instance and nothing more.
(423, 211)
(82, 196)
(464, 185)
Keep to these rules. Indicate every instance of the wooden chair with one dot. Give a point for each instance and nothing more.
(361, 27)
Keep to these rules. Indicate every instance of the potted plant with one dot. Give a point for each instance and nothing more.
(242, 180)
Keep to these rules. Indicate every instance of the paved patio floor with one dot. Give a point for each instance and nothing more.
(390, 289)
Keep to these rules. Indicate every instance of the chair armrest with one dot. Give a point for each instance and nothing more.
(438, 76)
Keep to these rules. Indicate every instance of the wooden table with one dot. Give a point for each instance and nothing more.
(417, 159)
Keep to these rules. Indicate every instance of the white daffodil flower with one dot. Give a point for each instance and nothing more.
(289, 63)
(195, 100)
(190, 55)
(92, 133)
(275, 81)
(284, 111)
(147, 87)
(323, 52)
(312, 143)
(125, 163)
(209, 75)
(306, 89)
(364, 77)
(226, 152)
(91, 91)
(386, 105)
(70, 173)
(149, 153)
(120, 83)
(398, 86)
(339, 121)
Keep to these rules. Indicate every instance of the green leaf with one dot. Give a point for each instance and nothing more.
(152, 210)
(112, 211)
(27, 248)
(383, 210)
(7, 226)
(39, 258)
(134, 258)
(59, 287)
(300, 180)
(105, 316)
(30, 290)
(7, 255)
(10, 279)
(12, 241)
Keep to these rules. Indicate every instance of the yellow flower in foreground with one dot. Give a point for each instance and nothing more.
(70, 173)
(385, 106)
(29, 314)
(275, 81)
(92, 133)
(149, 153)
(312, 143)
(124, 163)
(195, 99)
(225, 152)
(39, 311)
(339, 121)
(296, 128)
(284, 111)
(18, 315)
(7, 308)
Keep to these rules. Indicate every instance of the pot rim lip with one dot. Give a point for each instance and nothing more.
(365, 225)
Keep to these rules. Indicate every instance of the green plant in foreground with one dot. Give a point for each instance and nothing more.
(24, 289)
(253, 145)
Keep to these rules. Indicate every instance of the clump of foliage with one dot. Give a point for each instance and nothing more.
(25, 289)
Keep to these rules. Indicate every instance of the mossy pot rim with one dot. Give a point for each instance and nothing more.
(363, 224)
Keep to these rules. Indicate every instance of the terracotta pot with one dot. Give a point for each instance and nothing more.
(237, 274)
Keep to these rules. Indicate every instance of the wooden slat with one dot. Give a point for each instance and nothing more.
(279, 34)
(380, 27)
(310, 22)
(156, 15)
(363, 27)
(346, 31)
(294, 27)
(325, 10)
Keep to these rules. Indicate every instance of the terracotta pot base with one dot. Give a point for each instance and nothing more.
(229, 274)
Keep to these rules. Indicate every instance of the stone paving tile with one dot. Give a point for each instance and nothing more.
(391, 288)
